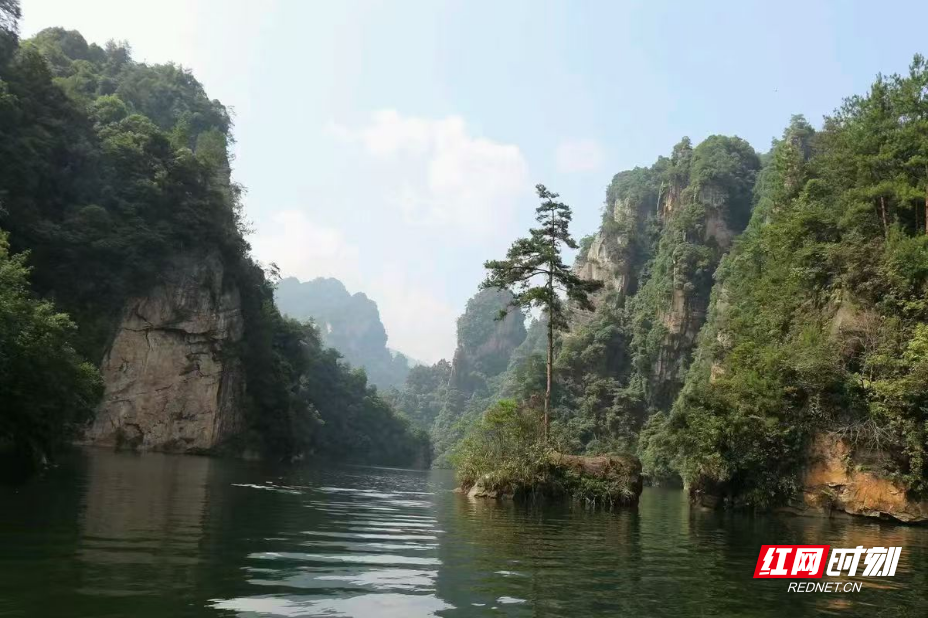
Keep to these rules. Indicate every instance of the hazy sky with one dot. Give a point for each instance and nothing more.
(395, 145)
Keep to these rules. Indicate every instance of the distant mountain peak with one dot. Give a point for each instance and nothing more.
(350, 323)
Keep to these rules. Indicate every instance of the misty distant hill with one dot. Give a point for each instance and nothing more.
(350, 323)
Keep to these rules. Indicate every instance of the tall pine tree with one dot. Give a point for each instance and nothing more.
(536, 274)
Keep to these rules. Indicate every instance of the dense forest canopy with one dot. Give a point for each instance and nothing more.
(109, 168)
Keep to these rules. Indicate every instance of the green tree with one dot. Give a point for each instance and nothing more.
(911, 102)
(501, 449)
(9, 14)
(536, 275)
(47, 391)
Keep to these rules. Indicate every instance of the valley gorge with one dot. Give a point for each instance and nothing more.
(683, 334)
(753, 305)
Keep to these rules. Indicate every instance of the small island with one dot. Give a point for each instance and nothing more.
(506, 457)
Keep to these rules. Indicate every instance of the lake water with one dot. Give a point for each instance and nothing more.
(109, 534)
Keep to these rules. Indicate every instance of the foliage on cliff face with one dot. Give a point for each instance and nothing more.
(350, 323)
(818, 322)
(96, 180)
(664, 230)
(668, 310)
(485, 342)
(108, 168)
(46, 389)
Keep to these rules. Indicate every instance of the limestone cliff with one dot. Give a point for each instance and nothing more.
(173, 380)
(611, 254)
(664, 233)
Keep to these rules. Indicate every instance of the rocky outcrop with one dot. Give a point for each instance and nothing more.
(605, 481)
(609, 257)
(598, 265)
(670, 227)
(173, 380)
(835, 482)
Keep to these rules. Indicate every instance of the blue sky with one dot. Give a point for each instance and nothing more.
(395, 145)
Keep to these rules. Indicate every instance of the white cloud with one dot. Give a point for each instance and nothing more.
(418, 323)
(456, 189)
(304, 249)
(581, 155)
(442, 175)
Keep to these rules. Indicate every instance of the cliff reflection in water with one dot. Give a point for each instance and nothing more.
(142, 525)
(157, 535)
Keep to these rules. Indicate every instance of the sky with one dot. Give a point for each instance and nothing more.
(396, 145)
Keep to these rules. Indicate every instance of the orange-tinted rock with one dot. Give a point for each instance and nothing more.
(833, 484)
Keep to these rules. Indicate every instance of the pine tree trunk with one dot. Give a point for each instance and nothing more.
(915, 210)
(883, 210)
(926, 200)
(550, 353)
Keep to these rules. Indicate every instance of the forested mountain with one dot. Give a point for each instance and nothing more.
(763, 331)
(446, 397)
(818, 327)
(664, 231)
(350, 323)
(760, 312)
(118, 209)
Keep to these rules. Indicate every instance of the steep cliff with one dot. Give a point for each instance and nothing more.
(173, 378)
(485, 343)
(810, 382)
(117, 190)
(664, 231)
(706, 201)
(616, 253)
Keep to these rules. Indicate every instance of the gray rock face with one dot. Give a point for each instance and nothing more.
(608, 258)
(173, 380)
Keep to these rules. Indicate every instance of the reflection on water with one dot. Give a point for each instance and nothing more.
(155, 535)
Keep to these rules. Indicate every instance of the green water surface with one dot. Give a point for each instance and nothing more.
(108, 534)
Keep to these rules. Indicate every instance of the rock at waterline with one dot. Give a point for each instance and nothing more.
(836, 481)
